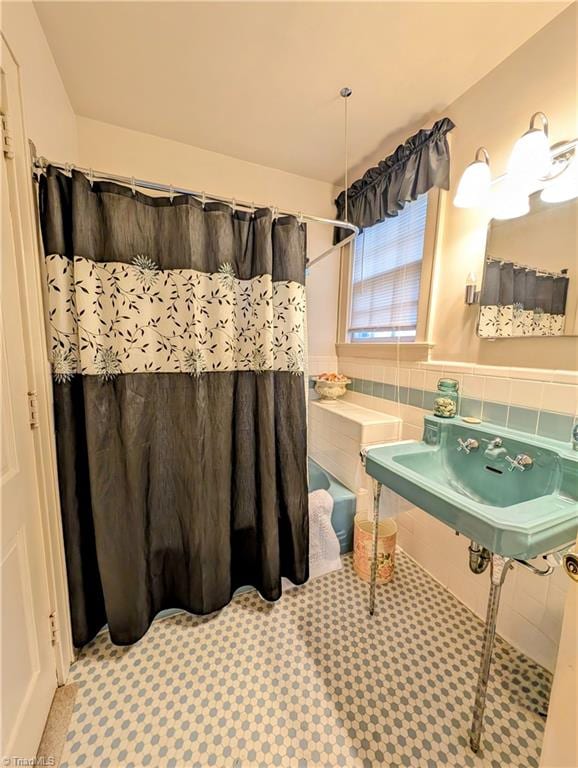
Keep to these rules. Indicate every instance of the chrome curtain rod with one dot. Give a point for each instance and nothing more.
(40, 164)
(563, 272)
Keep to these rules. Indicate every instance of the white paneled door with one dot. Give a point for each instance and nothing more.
(560, 748)
(28, 672)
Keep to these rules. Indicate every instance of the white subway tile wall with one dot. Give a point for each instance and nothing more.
(473, 386)
(559, 397)
(497, 390)
(533, 400)
(322, 364)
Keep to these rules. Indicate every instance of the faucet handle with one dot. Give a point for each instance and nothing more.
(467, 445)
(521, 462)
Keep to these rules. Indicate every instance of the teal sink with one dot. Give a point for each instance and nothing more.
(512, 512)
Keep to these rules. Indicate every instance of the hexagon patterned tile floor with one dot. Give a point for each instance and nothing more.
(309, 681)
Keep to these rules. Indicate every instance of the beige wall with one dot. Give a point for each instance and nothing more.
(48, 116)
(122, 151)
(540, 75)
(62, 136)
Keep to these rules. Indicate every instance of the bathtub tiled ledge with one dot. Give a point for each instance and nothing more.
(337, 433)
(362, 424)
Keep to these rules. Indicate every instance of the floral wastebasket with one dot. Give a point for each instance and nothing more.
(363, 548)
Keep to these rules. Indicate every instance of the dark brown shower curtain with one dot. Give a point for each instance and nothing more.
(177, 342)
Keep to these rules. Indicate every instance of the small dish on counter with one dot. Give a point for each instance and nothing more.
(331, 386)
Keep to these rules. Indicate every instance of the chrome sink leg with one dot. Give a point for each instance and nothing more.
(372, 583)
(498, 568)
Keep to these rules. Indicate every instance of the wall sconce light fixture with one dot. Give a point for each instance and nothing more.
(531, 158)
(474, 186)
(510, 199)
(472, 292)
(533, 165)
(564, 186)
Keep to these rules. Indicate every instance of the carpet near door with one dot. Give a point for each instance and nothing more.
(57, 725)
(311, 681)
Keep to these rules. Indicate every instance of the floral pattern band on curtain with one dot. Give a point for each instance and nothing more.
(519, 301)
(177, 336)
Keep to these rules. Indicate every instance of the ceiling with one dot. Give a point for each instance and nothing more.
(260, 81)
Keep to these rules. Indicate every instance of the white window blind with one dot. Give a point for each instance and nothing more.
(386, 276)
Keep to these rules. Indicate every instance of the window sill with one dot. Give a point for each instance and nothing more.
(410, 351)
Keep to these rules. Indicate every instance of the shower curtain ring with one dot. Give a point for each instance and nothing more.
(68, 169)
(252, 210)
(300, 217)
(133, 184)
(234, 204)
(91, 177)
(171, 193)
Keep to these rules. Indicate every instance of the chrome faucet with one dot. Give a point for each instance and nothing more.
(468, 445)
(521, 462)
(495, 448)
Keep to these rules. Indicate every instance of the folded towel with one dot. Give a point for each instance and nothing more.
(323, 542)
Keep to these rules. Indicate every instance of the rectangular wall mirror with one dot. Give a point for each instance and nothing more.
(529, 286)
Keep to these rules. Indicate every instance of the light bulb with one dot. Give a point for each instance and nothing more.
(474, 186)
(510, 199)
(563, 187)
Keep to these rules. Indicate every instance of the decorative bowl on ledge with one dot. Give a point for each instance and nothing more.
(331, 386)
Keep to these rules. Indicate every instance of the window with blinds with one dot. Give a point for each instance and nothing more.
(386, 277)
